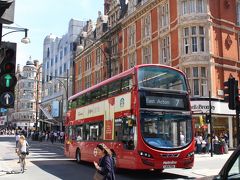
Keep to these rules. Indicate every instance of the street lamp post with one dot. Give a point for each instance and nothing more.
(210, 122)
(37, 95)
(24, 40)
(65, 88)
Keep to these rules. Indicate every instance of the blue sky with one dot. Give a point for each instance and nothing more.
(44, 17)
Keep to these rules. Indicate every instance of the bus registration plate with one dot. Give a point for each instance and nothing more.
(168, 166)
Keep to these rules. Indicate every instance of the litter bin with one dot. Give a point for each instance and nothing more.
(217, 148)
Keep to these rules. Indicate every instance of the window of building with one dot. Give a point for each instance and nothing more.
(88, 81)
(48, 52)
(47, 65)
(56, 72)
(193, 39)
(61, 55)
(98, 56)
(79, 68)
(147, 55)
(146, 26)
(114, 45)
(165, 50)
(131, 60)
(65, 67)
(29, 85)
(238, 12)
(197, 77)
(60, 70)
(132, 34)
(88, 62)
(65, 51)
(56, 59)
(115, 67)
(164, 14)
(97, 77)
(131, 6)
(79, 85)
(193, 6)
(29, 105)
(51, 61)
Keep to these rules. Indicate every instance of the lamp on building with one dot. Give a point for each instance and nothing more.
(24, 40)
(106, 52)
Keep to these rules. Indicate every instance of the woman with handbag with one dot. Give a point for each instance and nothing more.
(105, 167)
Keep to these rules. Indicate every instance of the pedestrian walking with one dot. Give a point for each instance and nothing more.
(17, 138)
(22, 151)
(105, 167)
(52, 137)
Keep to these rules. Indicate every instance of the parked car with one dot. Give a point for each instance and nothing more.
(230, 170)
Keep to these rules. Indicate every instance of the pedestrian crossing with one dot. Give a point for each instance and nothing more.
(43, 154)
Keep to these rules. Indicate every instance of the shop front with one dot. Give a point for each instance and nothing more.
(223, 120)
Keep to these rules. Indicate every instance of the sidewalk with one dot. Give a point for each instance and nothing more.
(208, 155)
(9, 158)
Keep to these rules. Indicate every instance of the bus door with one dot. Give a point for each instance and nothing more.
(125, 133)
(70, 141)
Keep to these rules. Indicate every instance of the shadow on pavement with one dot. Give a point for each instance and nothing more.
(69, 169)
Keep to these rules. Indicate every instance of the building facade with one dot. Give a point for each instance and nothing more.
(58, 55)
(27, 96)
(200, 37)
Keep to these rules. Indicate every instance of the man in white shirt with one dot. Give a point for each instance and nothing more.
(17, 138)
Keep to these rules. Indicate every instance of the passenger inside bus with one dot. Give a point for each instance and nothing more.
(124, 132)
(79, 137)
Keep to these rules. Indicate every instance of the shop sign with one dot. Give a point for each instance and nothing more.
(199, 107)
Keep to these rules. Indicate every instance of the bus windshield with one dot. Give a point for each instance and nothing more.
(162, 78)
(159, 130)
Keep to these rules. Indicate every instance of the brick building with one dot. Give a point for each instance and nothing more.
(200, 37)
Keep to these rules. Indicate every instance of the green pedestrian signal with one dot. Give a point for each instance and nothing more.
(8, 79)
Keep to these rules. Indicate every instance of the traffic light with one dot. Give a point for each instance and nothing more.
(231, 92)
(207, 118)
(7, 74)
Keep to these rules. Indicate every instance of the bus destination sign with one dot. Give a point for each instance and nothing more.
(159, 101)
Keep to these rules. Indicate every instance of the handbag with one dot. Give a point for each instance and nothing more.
(27, 153)
(98, 176)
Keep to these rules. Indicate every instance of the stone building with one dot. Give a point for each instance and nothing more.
(27, 95)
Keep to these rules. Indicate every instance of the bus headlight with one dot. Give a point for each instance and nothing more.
(145, 154)
(191, 154)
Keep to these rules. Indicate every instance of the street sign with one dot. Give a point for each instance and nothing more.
(7, 99)
(3, 110)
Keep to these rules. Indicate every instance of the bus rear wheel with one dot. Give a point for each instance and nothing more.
(78, 156)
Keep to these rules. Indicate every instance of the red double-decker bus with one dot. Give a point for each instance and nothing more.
(143, 115)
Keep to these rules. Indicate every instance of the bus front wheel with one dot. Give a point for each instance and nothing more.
(78, 156)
